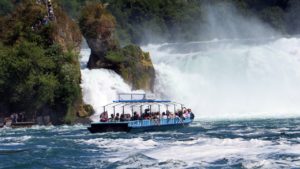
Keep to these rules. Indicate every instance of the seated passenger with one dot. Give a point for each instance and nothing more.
(135, 116)
(104, 117)
(146, 116)
(164, 116)
(192, 116)
(122, 117)
(186, 114)
(112, 118)
(180, 114)
(127, 117)
(158, 115)
(117, 118)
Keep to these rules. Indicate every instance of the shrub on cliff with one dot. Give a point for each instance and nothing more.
(134, 65)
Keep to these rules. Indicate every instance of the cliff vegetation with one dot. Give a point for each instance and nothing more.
(147, 21)
(39, 67)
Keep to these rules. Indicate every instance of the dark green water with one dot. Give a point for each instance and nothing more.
(270, 143)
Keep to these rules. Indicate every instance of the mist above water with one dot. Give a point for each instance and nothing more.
(222, 20)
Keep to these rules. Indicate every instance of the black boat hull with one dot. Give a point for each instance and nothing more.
(123, 127)
(108, 127)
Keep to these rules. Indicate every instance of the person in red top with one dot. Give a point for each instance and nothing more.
(104, 117)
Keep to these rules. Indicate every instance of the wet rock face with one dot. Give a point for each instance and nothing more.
(66, 32)
(98, 27)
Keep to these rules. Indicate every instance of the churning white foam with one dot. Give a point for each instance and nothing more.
(201, 151)
(207, 150)
(231, 79)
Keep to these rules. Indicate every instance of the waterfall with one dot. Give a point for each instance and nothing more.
(99, 86)
(231, 79)
(219, 79)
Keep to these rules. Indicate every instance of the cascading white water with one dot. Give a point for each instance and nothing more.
(231, 79)
(99, 86)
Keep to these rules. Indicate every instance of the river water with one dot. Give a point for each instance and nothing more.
(270, 143)
(246, 92)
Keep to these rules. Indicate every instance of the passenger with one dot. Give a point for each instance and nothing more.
(112, 118)
(146, 116)
(169, 114)
(186, 114)
(117, 118)
(14, 117)
(135, 116)
(122, 118)
(104, 117)
(158, 115)
(164, 116)
(192, 116)
(127, 117)
(180, 114)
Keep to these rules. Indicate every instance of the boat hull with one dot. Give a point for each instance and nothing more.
(125, 127)
(157, 128)
(22, 124)
(108, 127)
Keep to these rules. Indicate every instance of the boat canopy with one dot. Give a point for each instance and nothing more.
(139, 100)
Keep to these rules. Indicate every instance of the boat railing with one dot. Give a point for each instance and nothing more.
(153, 122)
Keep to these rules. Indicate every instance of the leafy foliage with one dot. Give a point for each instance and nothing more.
(175, 20)
(35, 72)
(5, 6)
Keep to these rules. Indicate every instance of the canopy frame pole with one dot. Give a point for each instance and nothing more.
(114, 107)
(174, 108)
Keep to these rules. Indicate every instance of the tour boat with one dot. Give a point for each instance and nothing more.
(149, 116)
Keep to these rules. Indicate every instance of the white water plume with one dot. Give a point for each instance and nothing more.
(231, 79)
(99, 86)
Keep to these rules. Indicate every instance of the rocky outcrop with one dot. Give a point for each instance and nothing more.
(66, 32)
(134, 65)
(56, 40)
(98, 27)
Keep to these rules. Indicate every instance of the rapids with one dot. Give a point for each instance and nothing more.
(222, 144)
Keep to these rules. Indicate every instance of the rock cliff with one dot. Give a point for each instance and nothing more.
(98, 27)
(44, 77)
